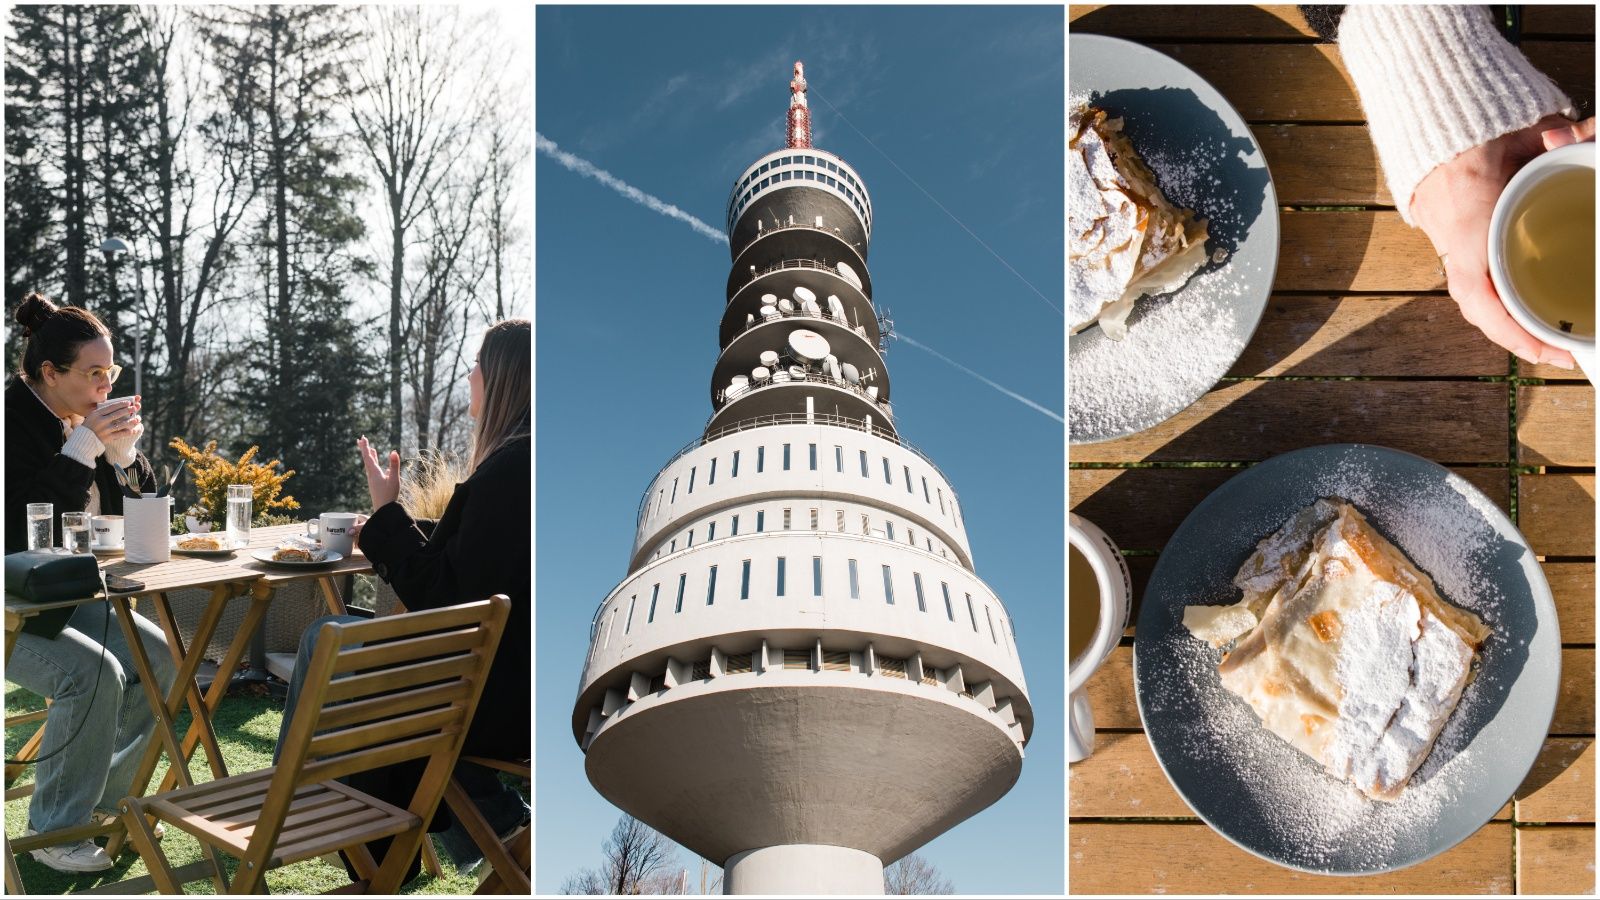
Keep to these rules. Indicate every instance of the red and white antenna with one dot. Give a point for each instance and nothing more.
(799, 113)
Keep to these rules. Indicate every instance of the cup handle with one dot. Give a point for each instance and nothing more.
(1080, 728)
(314, 529)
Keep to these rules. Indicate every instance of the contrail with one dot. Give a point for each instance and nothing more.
(586, 168)
(900, 335)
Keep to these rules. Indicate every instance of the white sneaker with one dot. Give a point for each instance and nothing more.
(84, 856)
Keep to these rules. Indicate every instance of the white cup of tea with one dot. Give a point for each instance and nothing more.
(106, 532)
(335, 531)
(1099, 602)
(1541, 250)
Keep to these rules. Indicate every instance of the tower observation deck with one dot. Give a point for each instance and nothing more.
(801, 678)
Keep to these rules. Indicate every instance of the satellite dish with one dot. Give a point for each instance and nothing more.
(812, 309)
(807, 345)
(798, 373)
(740, 385)
(768, 299)
(850, 373)
(804, 294)
(836, 307)
(760, 374)
(769, 312)
(849, 275)
(779, 375)
(769, 358)
(831, 366)
(749, 320)
(872, 393)
(819, 221)
(786, 306)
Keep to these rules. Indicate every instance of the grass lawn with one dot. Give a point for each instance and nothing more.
(247, 730)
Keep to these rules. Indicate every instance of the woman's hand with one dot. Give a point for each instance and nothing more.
(1453, 205)
(383, 484)
(111, 422)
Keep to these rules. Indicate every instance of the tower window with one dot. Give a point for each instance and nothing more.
(674, 490)
(781, 574)
(888, 586)
(887, 477)
(683, 581)
(972, 615)
(838, 524)
(816, 576)
(814, 514)
(911, 536)
(734, 468)
(711, 530)
(734, 527)
(907, 469)
(761, 459)
(786, 520)
(926, 498)
(628, 626)
(813, 457)
(864, 465)
(888, 529)
(744, 581)
(761, 520)
(916, 579)
(940, 492)
(786, 457)
(655, 593)
(949, 610)
(690, 541)
(691, 478)
(838, 459)
(711, 476)
(855, 584)
(711, 586)
(990, 619)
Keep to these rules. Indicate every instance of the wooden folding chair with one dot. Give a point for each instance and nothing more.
(377, 693)
(507, 861)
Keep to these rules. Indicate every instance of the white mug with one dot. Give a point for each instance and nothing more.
(106, 531)
(1544, 165)
(335, 531)
(1116, 605)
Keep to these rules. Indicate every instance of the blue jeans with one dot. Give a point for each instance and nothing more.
(302, 662)
(112, 721)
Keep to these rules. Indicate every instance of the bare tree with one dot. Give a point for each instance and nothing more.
(913, 874)
(638, 860)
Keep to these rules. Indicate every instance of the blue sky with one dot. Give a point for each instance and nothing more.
(676, 101)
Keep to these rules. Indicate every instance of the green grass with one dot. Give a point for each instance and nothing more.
(247, 730)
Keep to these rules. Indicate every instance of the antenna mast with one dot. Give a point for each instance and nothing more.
(799, 112)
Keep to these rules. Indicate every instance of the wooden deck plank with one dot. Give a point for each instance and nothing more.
(1555, 425)
(1555, 859)
(1275, 82)
(1119, 500)
(1323, 165)
(1122, 780)
(1190, 858)
(1550, 373)
(1556, 514)
(1564, 20)
(1560, 788)
(1449, 421)
(1367, 336)
(1572, 585)
(1355, 251)
(1145, 22)
(1111, 693)
(1575, 701)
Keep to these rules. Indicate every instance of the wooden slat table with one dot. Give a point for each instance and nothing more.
(1359, 343)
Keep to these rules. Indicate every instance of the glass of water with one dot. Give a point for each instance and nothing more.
(239, 498)
(41, 530)
(75, 532)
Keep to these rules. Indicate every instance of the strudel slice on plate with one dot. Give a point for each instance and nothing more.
(1343, 647)
(1127, 239)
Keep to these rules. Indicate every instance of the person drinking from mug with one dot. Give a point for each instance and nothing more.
(62, 440)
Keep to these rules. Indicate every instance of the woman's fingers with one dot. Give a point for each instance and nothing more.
(1575, 133)
(1480, 305)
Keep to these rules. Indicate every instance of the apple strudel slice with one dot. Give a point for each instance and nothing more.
(1344, 648)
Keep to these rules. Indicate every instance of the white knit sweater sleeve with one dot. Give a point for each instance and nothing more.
(1436, 81)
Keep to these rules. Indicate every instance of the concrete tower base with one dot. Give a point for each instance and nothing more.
(803, 869)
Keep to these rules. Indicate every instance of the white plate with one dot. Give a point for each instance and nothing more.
(266, 557)
(227, 551)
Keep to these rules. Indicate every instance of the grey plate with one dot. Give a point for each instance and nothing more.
(1479, 561)
(1173, 114)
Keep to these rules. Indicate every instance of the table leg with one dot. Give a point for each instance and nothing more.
(13, 876)
(331, 594)
(200, 716)
(13, 629)
(163, 710)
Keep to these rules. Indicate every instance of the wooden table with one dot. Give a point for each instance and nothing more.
(1359, 343)
(227, 578)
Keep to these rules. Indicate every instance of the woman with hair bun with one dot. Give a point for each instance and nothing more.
(59, 448)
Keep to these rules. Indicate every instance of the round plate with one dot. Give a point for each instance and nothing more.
(228, 551)
(1206, 159)
(1257, 790)
(266, 557)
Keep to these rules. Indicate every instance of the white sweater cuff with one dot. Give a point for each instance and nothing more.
(121, 450)
(83, 445)
(1436, 81)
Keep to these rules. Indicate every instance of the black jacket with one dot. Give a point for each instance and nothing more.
(36, 472)
(481, 546)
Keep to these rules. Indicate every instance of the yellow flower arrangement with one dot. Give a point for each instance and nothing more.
(213, 473)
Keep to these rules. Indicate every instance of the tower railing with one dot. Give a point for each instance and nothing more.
(817, 264)
(792, 419)
(808, 377)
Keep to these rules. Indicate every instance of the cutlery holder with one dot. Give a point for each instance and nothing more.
(147, 529)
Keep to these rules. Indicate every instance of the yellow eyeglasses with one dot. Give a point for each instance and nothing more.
(110, 374)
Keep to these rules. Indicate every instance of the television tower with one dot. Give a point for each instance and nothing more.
(801, 678)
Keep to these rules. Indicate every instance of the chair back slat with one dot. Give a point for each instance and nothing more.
(386, 706)
(387, 654)
(394, 678)
(373, 734)
(378, 757)
(389, 627)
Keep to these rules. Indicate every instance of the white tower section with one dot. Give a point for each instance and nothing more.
(801, 678)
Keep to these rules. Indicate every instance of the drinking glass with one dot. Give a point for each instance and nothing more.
(239, 498)
(75, 532)
(41, 533)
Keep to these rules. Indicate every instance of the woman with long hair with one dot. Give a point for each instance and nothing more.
(62, 440)
(480, 546)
